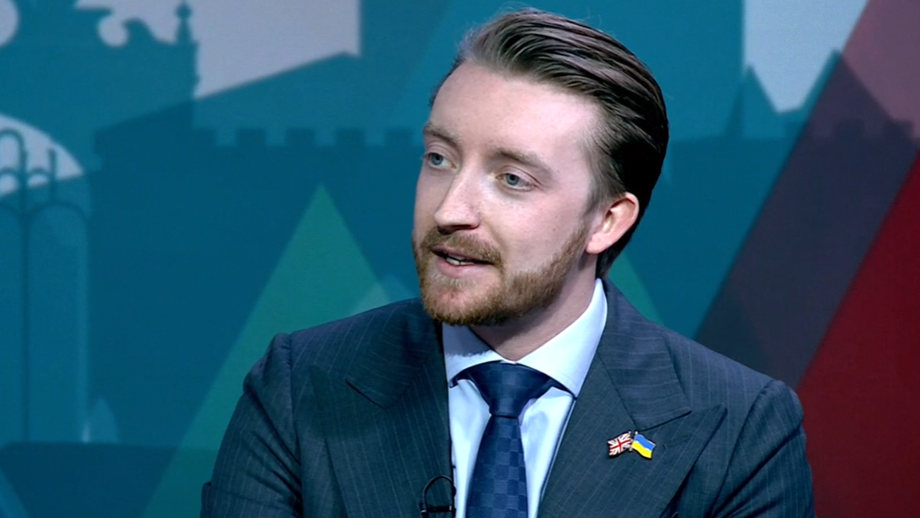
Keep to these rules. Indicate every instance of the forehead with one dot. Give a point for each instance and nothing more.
(478, 104)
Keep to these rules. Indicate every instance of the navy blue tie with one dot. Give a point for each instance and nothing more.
(498, 487)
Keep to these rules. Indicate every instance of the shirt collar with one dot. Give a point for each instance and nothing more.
(565, 357)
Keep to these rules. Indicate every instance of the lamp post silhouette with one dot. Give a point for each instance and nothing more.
(26, 205)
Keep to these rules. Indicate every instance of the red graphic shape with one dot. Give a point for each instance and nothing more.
(865, 379)
(884, 41)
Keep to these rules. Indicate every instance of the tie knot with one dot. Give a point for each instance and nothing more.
(507, 387)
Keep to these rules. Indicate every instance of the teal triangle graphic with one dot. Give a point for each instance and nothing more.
(321, 276)
(386, 291)
(374, 297)
(625, 277)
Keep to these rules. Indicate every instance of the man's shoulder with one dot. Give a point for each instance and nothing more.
(759, 436)
(705, 376)
(335, 345)
(709, 379)
(696, 363)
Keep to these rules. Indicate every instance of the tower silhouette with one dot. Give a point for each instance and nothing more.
(59, 76)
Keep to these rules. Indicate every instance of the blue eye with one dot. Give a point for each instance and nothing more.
(435, 159)
(513, 180)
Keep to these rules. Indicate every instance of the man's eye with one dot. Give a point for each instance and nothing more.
(513, 180)
(436, 160)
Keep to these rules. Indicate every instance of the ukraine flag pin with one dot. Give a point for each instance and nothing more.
(643, 446)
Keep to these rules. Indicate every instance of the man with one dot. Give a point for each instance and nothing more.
(521, 380)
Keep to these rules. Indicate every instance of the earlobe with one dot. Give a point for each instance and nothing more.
(616, 220)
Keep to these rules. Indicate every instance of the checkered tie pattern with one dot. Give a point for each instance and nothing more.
(498, 487)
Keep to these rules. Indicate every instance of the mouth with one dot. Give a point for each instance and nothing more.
(457, 258)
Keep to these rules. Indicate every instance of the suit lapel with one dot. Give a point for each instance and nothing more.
(386, 424)
(387, 428)
(631, 385)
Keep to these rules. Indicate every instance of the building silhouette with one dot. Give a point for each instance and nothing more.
(187, 230)
(59, 76)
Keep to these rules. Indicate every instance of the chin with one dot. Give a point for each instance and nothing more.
(471, 307)
(453, 305)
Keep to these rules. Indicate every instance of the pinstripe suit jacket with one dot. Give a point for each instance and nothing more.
(350, 419)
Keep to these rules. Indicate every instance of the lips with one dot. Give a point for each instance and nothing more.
(458, 251)
(457, 258)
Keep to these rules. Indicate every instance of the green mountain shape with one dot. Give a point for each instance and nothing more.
(625, 277)
(386, 291)
(321, 276)
(322, 258)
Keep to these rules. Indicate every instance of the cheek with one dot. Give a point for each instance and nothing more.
(542, 233)
(427, 199)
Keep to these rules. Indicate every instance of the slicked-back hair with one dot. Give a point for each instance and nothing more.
(628, 149)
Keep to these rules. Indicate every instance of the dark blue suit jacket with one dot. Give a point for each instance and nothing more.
(350, 419)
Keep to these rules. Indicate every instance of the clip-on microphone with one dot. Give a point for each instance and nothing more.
(426, 509)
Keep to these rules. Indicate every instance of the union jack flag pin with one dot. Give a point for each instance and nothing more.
(620, 444)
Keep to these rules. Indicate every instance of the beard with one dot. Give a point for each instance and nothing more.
(515, 295)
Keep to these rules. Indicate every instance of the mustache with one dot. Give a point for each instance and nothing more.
(462, 244)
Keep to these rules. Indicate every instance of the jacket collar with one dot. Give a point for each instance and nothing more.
(636, 357)
(386, 426)
(401, 414)
(632, 385)
(393, 356)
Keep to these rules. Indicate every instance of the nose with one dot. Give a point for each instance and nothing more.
(459, 208)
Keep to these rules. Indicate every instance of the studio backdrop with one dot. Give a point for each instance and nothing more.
(182, 179)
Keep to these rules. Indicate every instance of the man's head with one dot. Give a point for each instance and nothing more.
(572, 127)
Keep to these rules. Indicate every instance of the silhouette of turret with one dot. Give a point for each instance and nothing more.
(59, 76)
(184, 33)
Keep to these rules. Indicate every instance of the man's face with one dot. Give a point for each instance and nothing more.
(500, 210)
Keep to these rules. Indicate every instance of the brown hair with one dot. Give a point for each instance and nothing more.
(630, 144)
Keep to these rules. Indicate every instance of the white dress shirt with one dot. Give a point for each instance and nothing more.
(565, 358)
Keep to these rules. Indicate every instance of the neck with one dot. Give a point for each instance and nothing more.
(516, 339)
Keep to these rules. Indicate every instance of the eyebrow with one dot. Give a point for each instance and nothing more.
(432, 130)
(514, 155)
(530, 160)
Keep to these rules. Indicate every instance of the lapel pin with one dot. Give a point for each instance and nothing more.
(620, 444)
(642, 446)
(630, 441)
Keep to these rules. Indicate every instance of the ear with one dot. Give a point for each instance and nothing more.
(613, 220)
